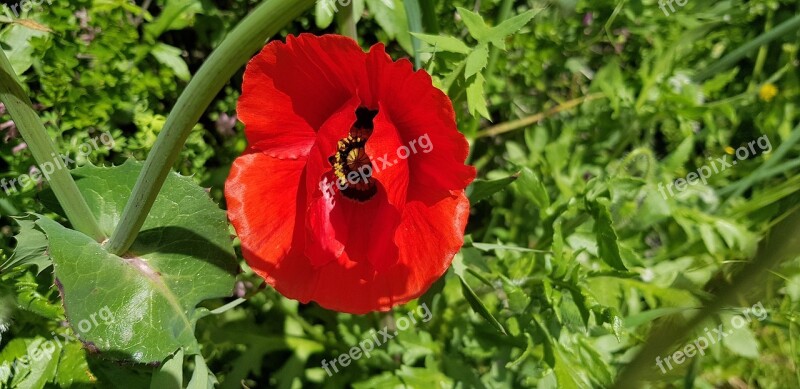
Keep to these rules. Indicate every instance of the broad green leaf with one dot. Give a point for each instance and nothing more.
(607, 240)
(170, 374)
(73, 369)
(739, 338)
(182, 257)
(171, 57)
(565, 371)
(202, 378)
(17, 46)
(444, 43)
(477, 60)
(482, 189)
(391, 16)
(476, 98)
(31, 248)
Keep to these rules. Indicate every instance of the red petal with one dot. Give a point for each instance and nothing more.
(299, 100)
(323, 243)
(290, 89)
(389, 169)
(262, 194)
(428, 238)
(421, 114)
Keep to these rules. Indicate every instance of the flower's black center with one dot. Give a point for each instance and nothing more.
(351, 164)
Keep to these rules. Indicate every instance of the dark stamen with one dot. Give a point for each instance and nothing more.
(351, 157)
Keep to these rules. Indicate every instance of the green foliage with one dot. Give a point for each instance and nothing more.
(576, 249)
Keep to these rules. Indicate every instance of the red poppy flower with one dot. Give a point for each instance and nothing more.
(351, 192)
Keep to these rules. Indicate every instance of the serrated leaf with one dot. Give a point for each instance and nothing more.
(607, 240)
(533, 188)
(31, 247)
(477, 305)
(182, 257)
(444, 43)
(482, 189)
(475, 24)
(477, 60)
(476, 99)
(517, 298)
(499, 33)
(472, 298)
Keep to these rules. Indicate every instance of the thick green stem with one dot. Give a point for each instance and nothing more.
(347, 21)
(430, 22)
(44, 151)
(414, 13)
(234, 52)
(791, 25)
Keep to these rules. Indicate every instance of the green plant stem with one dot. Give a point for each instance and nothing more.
(347, 21)
(431, 23)
(791, 25)
(766, 170)
(761, 58)
(414, 13)
(527, 121)
(781, 243)
(44, 151)
(234, 52)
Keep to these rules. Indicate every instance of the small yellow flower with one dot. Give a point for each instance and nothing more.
(729, 150)
(768, 92)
